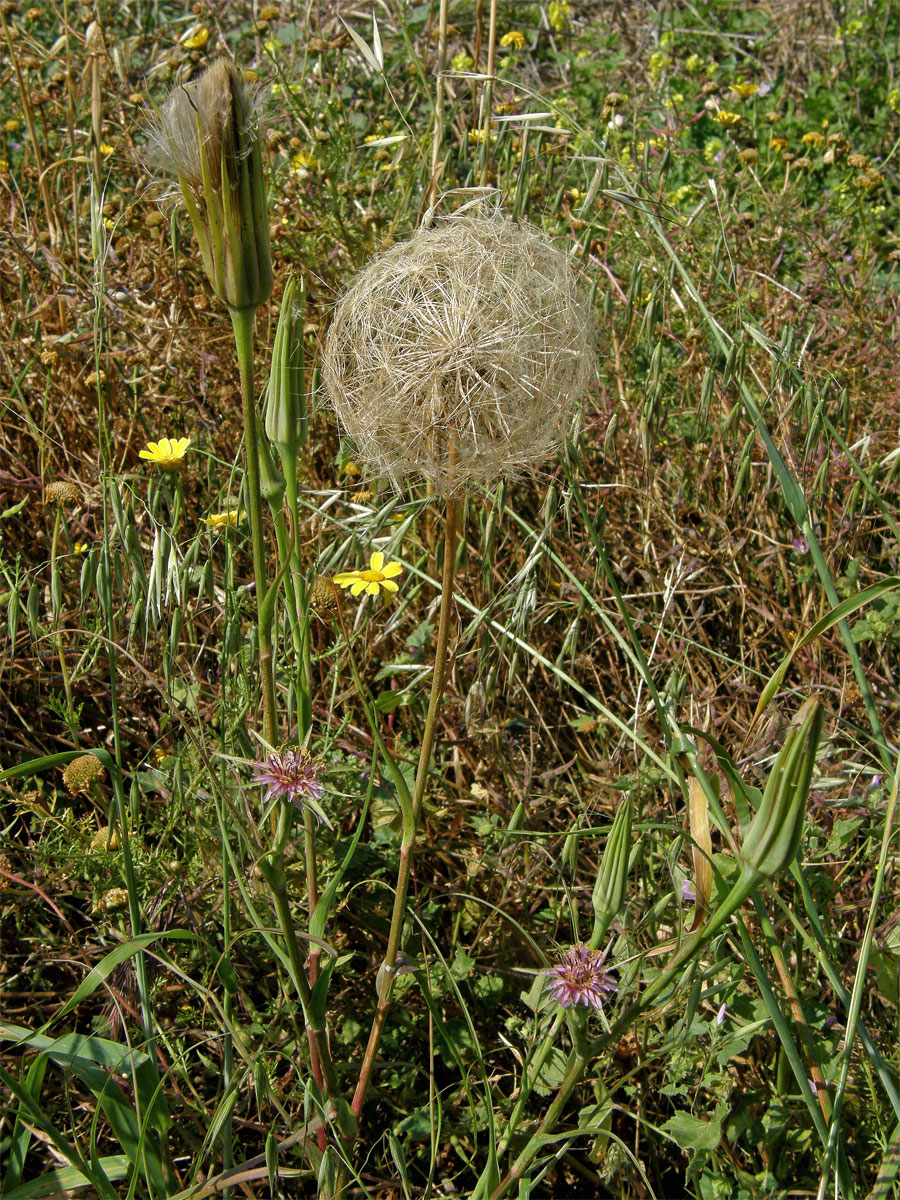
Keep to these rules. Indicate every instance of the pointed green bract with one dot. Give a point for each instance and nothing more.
(612, 878)
(286, 417)
(774, 835)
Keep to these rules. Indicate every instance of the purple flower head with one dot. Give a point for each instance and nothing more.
(687, 891)
(292, 775)
(800, 545)
(579, 978)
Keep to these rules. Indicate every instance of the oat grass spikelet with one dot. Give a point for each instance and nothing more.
(458, 357)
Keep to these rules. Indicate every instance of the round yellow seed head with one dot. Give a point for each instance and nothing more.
(82, 773)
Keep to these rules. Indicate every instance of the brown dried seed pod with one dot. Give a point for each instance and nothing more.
(60, 491)
(458, 357)
(324, 594)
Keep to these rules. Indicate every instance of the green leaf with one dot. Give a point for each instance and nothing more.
(65, 1179)
(836, 615)
(693, 1133)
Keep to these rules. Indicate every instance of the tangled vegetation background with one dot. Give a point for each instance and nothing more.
(725, 176)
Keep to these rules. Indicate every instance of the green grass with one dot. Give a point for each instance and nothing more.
(635, 625)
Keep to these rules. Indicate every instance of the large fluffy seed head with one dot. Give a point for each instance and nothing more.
(458, 357)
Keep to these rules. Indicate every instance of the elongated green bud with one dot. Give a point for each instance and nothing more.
(773, 838)
(271, 481)
(612, 878)
(207, 135)
(286, 419)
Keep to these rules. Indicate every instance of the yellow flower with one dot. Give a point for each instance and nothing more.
(106, 149)
(196, 38)
(813, 138)
(657, 64)
(229, 518)
(693, 64)
(379, 575)
(11, 126)
(302, 163)
(462, 61)
(513, 38)
(167, 452)
(728, 118)
(558, 14)
(779, 144)
(745, 90)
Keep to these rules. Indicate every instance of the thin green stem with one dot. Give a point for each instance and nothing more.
(388, 970)
(321, 1062)
(242, 320)
(56, 589)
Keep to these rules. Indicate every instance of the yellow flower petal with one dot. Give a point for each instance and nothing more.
(389, 585)
(360, 586)
(376, 560)
(391, 570)
(345, 578)
(372, 589)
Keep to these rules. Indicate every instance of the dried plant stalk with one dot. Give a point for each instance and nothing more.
(458, 357)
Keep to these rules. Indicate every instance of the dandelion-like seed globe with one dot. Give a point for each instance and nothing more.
(458, 357)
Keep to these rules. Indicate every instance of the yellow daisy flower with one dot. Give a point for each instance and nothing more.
(228, 518)
(167, 452)
(380, 576)
(728, 118)
(196, 38)
(745, 90)
(514, 38)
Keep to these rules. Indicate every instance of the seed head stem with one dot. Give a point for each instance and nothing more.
(439, 678)
(242, 321)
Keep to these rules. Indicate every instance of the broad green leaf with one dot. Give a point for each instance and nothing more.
(693, 1133)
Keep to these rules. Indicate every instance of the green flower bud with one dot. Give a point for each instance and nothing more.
(207, 135)
(286, 419)
(773, 838)
(271, 481)
(612, 878)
